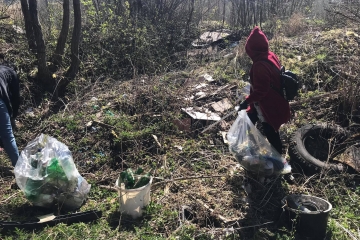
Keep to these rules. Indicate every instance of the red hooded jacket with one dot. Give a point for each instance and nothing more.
(274, 107)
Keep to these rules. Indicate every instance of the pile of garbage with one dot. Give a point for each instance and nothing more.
(252, 150)
(46, 173)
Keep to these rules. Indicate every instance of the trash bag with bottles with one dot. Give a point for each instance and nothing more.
(252, 150)
(46, 173)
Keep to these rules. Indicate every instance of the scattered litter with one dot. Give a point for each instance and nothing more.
(213, 36)
(89, 124)
(207, 77)
(222, 105)
(201, 85)
(179, 147)
(30, 112)
(200, 94)
(189, 98)
(201, 114)
(98, 115)
(94, 99)
(18, 29)
(109, 113)
(223, 125)
(156, 140)
(237, 168)
(224, 137)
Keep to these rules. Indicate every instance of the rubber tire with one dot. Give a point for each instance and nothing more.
(301, 157)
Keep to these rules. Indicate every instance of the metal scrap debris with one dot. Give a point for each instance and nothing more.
(222, 105)
(350, 157)
(206, 77)
(201, 114)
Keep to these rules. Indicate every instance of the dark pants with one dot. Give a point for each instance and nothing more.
(272, 136)
(6, 134)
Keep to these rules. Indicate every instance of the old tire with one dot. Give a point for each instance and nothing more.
(309, 148)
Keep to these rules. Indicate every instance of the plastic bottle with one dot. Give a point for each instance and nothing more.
(127, 177)
(143, 181)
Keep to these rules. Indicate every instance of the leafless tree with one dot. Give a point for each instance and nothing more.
(34, 34)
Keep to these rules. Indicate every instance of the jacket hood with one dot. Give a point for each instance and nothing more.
(257, 44)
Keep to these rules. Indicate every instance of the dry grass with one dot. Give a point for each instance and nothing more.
(295, 25)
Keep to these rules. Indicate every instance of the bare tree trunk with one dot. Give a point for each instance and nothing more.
(43, 71)
(60, 47)
(224, 13)
(190, 17)
(261, 12)
(28, 25)
(254, 12)
(75, 61)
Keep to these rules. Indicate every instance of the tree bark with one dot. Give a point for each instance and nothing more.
(28, 25)
(60, 47)
(75, 61)
(190, 17)
(43, 72)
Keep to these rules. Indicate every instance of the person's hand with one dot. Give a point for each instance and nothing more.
(243, 105)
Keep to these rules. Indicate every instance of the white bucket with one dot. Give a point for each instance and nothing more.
(132, 201)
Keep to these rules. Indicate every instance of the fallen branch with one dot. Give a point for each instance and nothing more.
(295, 103)
(103, 124)
(347, 231)
(186, 178)
(108, 188)
(156, 140)
(4, 17)
(225, 220)
(240, 228)
(216, 92)
(4, 201)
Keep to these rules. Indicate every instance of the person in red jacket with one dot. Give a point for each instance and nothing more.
(265, 103)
